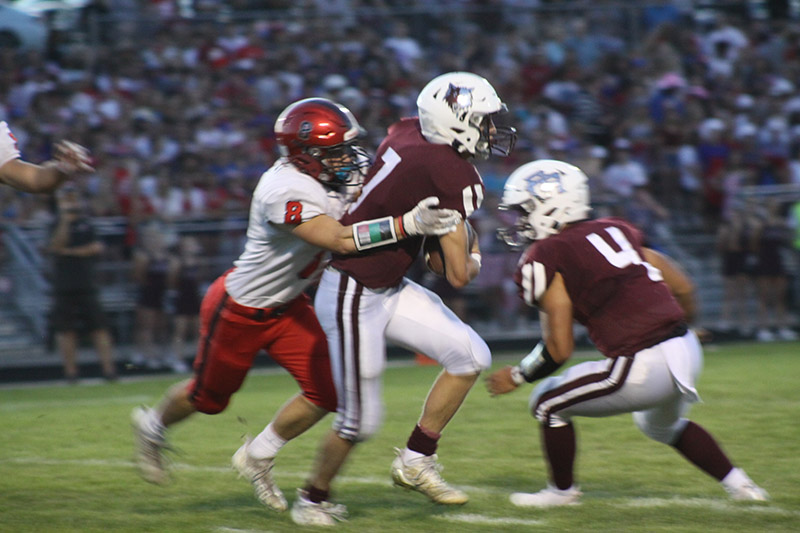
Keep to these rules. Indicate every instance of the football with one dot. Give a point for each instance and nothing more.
(434, 259)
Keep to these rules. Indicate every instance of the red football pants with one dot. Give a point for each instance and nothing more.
(231, 335)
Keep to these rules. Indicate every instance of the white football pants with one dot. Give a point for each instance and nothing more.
(656, 385)
(359, 322)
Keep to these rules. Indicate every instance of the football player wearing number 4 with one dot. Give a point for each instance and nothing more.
(635, 304)
(260, 303)
(364, 300)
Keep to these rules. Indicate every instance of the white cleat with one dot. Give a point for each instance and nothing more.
(259, 473)
(307, 513)
(747, 491)
(422, 475)
(149, 446)
(549, 497)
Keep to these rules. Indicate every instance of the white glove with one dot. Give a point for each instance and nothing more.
(72, 158)
(426, 219)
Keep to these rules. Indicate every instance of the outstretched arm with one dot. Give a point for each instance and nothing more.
(424, 219)
(69, 159)
(549, 354)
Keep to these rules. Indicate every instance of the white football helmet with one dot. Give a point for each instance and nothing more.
(547, 194)
(456, 109)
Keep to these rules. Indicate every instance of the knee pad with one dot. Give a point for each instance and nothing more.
(361, 430)
(363, 434)
(473, 357)
(663, 434)
(480, 351)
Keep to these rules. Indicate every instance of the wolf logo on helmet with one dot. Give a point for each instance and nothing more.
(458, 98)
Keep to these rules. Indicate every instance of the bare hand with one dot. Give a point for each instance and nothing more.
(72, 158)
(500, 382)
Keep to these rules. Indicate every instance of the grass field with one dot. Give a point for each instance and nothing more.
(65, 460)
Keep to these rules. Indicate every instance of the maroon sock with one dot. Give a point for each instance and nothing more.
(316, 495)
(559, 443)
(699, 447)
(423, 441)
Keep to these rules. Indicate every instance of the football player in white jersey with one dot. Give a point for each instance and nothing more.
(260, 303)
(69, 159)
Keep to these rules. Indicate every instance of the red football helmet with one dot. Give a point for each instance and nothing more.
(320, 137)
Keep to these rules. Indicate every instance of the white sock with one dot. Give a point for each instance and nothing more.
(735, 479)
(409, 456)
(266, 445)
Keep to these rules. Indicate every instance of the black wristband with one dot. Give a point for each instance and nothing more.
(538, 364)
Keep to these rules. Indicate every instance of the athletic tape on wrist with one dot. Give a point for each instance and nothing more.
(516, 375)
(538, 364)
(372, 233)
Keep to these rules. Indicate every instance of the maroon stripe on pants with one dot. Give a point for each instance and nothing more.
(352, 412)
(569, 386)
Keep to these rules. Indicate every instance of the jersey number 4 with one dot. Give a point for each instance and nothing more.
(627, 254)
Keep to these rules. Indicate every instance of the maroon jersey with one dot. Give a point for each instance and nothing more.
(620, 298)
(407, 169)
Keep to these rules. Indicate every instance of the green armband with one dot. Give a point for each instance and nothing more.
(537, 364)
(373, 233)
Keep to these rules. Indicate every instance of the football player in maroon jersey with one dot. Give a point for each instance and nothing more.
(261, 303)
(635, 304)
(365, 300)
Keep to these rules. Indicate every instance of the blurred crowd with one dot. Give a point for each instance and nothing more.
(670, 110)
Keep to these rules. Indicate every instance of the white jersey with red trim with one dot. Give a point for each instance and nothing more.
(8, 144)
(276, 266)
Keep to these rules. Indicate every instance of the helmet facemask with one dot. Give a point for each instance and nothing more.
(493, 139)
(520, 233)
(343, 167)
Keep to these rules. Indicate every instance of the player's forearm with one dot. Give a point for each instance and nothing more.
(32, 178)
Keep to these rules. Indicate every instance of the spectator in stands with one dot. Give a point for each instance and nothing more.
(76, 304)
(733, 246)
(150, 270)
(184, 283)
(772, 238)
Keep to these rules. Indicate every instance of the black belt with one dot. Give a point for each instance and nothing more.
(270, 312)
(257, 314)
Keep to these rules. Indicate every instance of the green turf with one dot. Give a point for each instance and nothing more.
(65, 460)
